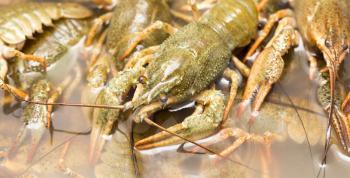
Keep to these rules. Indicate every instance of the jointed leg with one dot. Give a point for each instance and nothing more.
(17, 141)
(195, 11)
(262, 4)
(147, 111)
(96, 27)
(206, 4)
(241, 66)
(67, 171)
(22, 95)
(313, 66)
(182, 16)
(3, 68)
(97, 49)
(243, 136)
(265, 157)
(158, 25)
(273, 19)
(10, 52)
(203, 122)
(259, 99)
(235, 80)
(105, 4)
(346, 105)
(142, 57)
(53, 98)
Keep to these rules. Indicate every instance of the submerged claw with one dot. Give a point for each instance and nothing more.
(200, 124)
(95, 133)
(37, 134)
(17, 142)
(162, 138)
(242, 106)
(97, 142)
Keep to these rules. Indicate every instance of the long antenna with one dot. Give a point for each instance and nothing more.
(63, 104)
(122, 107)
(301, 121)
(149, 121)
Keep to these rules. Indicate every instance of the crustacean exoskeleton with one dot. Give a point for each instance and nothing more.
(124, 32)
(340, 119)
(329, 34)
(19, 22)
(320, 31)
(132, 23)
(184, 65)
(268, 66)
(37, 117)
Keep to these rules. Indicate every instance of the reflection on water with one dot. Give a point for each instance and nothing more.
(291, 155)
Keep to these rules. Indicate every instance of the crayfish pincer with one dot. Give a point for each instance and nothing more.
(185, 65)
(180, 69)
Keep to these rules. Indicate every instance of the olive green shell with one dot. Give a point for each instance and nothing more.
(34, 113)
(133, 16)
(55, 42)
(190, 60)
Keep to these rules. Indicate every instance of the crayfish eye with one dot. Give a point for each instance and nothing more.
(327, 43)
(142, 79)
(163, 98)
(261, 24)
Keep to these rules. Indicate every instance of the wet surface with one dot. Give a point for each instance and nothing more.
(291, 107)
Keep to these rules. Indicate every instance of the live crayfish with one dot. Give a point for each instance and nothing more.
(131, 23)
(37, 117)
(124, 26)
(180, 69)
(204, 108)
(51, 45)
(339, 118)
(329, 34)
(19, 22)
(127, 23)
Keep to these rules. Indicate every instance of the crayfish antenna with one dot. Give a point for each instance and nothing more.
(149, 121)
(299, 117)
(333, 76)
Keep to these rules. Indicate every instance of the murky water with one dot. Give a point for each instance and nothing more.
(294, 153)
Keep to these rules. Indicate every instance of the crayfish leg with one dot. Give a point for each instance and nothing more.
(96, 27)
(203, 122)
(346, 105)
(13, 90)
(272, 20)
(235, 78)
(98, 49)
(158, 25)
(313, 66)
(141, 58)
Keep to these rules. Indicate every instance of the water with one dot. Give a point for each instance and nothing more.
(290, 155)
